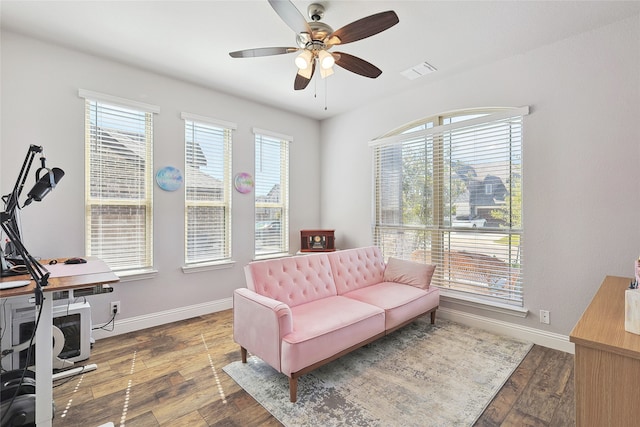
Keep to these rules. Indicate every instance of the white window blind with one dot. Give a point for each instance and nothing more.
(271, 194)
(119, 184)
(208, 147)
(448, 192)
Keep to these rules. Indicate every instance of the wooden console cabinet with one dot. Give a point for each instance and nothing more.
(607, 361)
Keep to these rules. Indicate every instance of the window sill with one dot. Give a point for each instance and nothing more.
(468, 300)
(131, 275)
(207, 266)
(270, 256)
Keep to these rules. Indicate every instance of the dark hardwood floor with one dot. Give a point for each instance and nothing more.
(539, 393)
(172, 375)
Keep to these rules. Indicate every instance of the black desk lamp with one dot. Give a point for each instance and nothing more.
(42, 187)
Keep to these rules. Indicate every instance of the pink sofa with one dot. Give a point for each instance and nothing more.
(300, 312)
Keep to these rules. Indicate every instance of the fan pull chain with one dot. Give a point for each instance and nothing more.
(326, 90)
(315, 87)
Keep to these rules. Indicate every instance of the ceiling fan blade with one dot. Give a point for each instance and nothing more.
(291, 16)
(262, 51)
(301, 81)
(363, 28)
(356, 65)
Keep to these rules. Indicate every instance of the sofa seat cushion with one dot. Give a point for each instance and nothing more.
(325, 327)
(399, 301)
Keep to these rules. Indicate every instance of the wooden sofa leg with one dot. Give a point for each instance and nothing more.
(243, 354)
(293, 389)
(433, 317)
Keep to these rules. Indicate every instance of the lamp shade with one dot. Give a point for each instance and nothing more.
(303, 61)
(325, 72)
(306, 72)
(326, 60)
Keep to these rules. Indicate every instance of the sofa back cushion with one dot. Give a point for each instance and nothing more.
(356, 268)
(293, 280)
(409, 272)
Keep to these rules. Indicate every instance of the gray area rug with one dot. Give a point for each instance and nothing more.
(422, 375)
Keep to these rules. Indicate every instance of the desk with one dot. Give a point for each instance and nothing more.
(63, 277)
(607, 361)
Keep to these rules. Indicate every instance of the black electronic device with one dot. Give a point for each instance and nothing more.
(44, 185)
(18, 398)
(20, 411)
(9, 218)
(75, 261)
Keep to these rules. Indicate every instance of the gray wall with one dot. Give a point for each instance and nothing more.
(40, 105)
(581, 161)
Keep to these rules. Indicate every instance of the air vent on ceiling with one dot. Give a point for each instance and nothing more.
(419, 70)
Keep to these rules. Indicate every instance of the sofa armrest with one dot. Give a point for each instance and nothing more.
(259, 323)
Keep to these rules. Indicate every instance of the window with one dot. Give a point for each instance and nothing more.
(271, 193)
(207, 189)
(118, 182)
(448, 192)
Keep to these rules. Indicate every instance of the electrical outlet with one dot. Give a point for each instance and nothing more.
(115, 307)
(544, 316)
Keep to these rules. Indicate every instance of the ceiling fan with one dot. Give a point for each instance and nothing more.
(315, 39)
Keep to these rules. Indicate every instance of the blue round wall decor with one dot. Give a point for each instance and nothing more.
(169, 178)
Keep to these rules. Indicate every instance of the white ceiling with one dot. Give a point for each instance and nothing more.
(190, 40)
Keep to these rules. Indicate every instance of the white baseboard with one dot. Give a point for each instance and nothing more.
(132, 324)
(536, 336)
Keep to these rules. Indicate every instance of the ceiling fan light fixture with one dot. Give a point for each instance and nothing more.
(303, 61)
(315, 38)
(306, 72)
(326, 60)
(325, 72)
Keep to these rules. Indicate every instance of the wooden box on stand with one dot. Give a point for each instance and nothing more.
(317, 241)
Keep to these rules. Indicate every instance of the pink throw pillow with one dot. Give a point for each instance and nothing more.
(409, 272)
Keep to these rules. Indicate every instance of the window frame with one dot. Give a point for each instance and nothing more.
(437, 127)
(135, 262)
(225, 153)
(282, 204)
